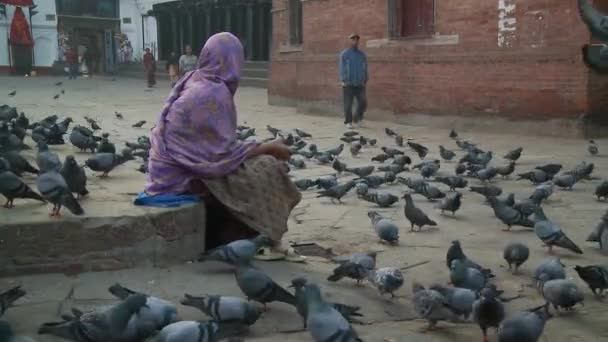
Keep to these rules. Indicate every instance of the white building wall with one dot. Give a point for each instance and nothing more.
(44, 33)
(141, 37)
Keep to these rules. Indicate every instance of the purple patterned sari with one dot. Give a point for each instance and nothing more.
(195, 136)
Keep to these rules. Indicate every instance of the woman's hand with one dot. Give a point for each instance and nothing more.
(277, 149)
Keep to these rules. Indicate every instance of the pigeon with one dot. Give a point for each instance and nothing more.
(13, 187)
(592, 148)
(392, 152)
(361, 189)
(381, 157)
(453, 134)
(487, 190)
(382, 199)
(393, 168)
(516, 254)
(386, 229)
(414, 184)
(535, 176)
(335, 151)
(597, 231)
(56, 97)
(565, 181)
(143, 168)
(22, 121)
(326, 182)
(74, 176)
(8, 335)
(372, 142)
(118, 115)
(224, 308)
(549, 269)
(46, 160)
(105, 162)
(596, 277)
(297, 163)
(83, 141)
(414, 215)
(351, 269)
(488, 311)
(272, 130)
(459, 300)
(17, 163)
(323, 158)
(338, 166)
(422, 151)
(514, 155)
(601, 191)
(542, 192)
(390, 132)
(551, 234)
(523, 326)
(117, 322)
(348, 312)
(304, 184)
(508, 215)
(386, 279)
(401, 160)
(350, 133)
(258, 286)
(366, 260)
(350, 140)
(361, 172)
(467, 277)
(561, 293)
(8, 297)
(455, 253)
(374, 181)
(506, 170)
(139, 124)
(355, 148)
(431, 305)
(431, 192)
(235, 251)
(302, 134)
(12, 93)
(451, 202)
(53, 187)
(337, 192)
(453, 182)
(446, 154)
(62, 91)
(594, 20)
(195, 331)
(399, 141)
(323, 321)
(582, 170)
(94, 125)
(460, 169)
(157, 312)
(550, 169)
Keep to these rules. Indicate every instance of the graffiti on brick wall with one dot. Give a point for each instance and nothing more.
(506, 23)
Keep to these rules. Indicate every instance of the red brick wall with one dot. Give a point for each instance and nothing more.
(540, 75)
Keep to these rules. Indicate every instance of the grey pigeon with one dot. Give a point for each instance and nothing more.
(139, 124)
(361, 189)
(53, 187)
(487, 190)
(551, 234)
(18, 164)
(431, 305)
(401, 160)
(414, 215)
(258, 286)
(382, 199)
(466, 277)
(386, 229)
(542, 192)
(549, 269)
(565, 181)
(596, 277)
(355, 148)
(323, 158)
(82, 141)
(391, 152)
(431, 192)
(526, 326)
(8, 335)
(297, 163)
(349, 140)
(194, 331)
(508, 215)
(361, 172)
(601, 191)
(304, 184)
(235, 251)
(8, 297)
(105, 162)
(535, 176)
(272, 130)
(337, 192)
(117, 322)
(508, 200)
(105, 146)
(526, 206)
(415, 184)
(453, 182)
(393, 168)
(421, 150)
(326, 182)
(561, 293)
(74, 176)
(488, 311)
(459, 300)
(592, 148)
(453, 134)
(446, 154)
(399, 141)
(390, 132)
(516, 254)
(506, 170)
(347, 311)
(514, 155)
(224, 308)
(487, 174)
(338, 166)
(157, 312)
(367, 260)
(12, 187)
(349, 269)
(595, 234)
(302, 134)
(324, 322)
(455, 252)
(550, 169)
(47, 160)
(582, 170)
(386, 279)
(451, 202)
(336, 150)
(374, 181)
(381, 158)
(350, 133)
(429, 170)
(118, 115)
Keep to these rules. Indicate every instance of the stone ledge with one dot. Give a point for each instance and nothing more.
(156, 238)
(451, 39)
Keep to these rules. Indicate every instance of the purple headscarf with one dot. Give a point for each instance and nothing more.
(195, 136)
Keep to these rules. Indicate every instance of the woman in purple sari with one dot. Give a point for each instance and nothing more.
(195, 151)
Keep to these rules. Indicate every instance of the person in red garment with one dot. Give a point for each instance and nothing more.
(150, 67)
(72, 61)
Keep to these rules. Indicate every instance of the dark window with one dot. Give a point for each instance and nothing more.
(49, 17)
(126, 20)
(92, 8)
(295, 22)
(411, 18)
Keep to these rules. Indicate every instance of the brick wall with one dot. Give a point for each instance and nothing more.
(535, 72)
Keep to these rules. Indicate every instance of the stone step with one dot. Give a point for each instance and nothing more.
(254, 72)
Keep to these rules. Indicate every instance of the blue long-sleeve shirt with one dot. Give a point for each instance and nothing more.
(353, 67)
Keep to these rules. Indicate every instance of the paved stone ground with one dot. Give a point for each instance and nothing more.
(344, 228)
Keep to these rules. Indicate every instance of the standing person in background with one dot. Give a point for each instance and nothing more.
(187, 62)
(173, 68)
(353, 75)
(150, 67)
(72, 61)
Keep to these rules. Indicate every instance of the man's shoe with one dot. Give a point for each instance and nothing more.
(349, 126)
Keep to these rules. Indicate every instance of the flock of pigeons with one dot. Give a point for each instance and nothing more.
(57, 181)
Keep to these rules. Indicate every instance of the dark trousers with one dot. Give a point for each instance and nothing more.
(73, 70)
(350, 95)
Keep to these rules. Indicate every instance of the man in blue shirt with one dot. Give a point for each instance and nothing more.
(353, 75)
